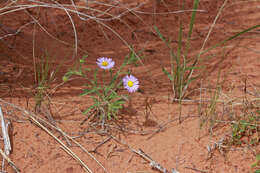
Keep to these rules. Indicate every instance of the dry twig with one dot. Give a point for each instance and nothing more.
(141, 153)
(9, 161)
(34, 118)
(197, 170)
(99, 145)
(7, 143)
(153, 163)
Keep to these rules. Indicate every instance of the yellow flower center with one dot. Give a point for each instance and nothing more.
(130, 83)
(105, 63)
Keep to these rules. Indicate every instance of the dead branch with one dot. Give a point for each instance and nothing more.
(7, 143)
(9, 161)
(153, 164)
(31, 116)
(140, 152)
(197, 170)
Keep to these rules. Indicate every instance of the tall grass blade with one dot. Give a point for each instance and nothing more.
(230, 38)
(179, 44)
(195, 7)
(192, 20)
(218, 45)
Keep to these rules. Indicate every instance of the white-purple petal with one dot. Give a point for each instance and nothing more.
(109, 63)
(135, 82)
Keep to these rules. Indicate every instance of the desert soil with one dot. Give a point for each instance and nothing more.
(150, 122)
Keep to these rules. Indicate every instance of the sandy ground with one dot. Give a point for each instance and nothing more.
(151, 123)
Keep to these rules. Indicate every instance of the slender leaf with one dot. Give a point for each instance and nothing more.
(179, 44)
(195, 7)
(167, 74)
(90, 108)
(87, 91)
(161, 36)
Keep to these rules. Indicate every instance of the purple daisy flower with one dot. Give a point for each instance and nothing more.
(131, 83)
(105, 63)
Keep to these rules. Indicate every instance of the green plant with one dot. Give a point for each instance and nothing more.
(210, 113)
(104, 88)
(246, 128)
(256, 164)
(182, 66)
(134, 58)
(181, 73)
(178, 74)
(45, 75)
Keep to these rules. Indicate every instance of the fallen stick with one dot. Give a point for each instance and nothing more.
(16, 31)
(7, 144)
(99, 145)
(141, 153)
(9, 161)
(197, 170)
(7, 29)
(33, 118)
(66, 149)
(153, 163)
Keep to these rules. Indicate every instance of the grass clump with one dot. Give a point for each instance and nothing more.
(179, 73)
(182, 66)
(209, 114)
(256, 164)
(248, 128)
(45, 75)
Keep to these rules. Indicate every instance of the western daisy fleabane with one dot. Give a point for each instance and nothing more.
(105, 63)
(131, 83)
